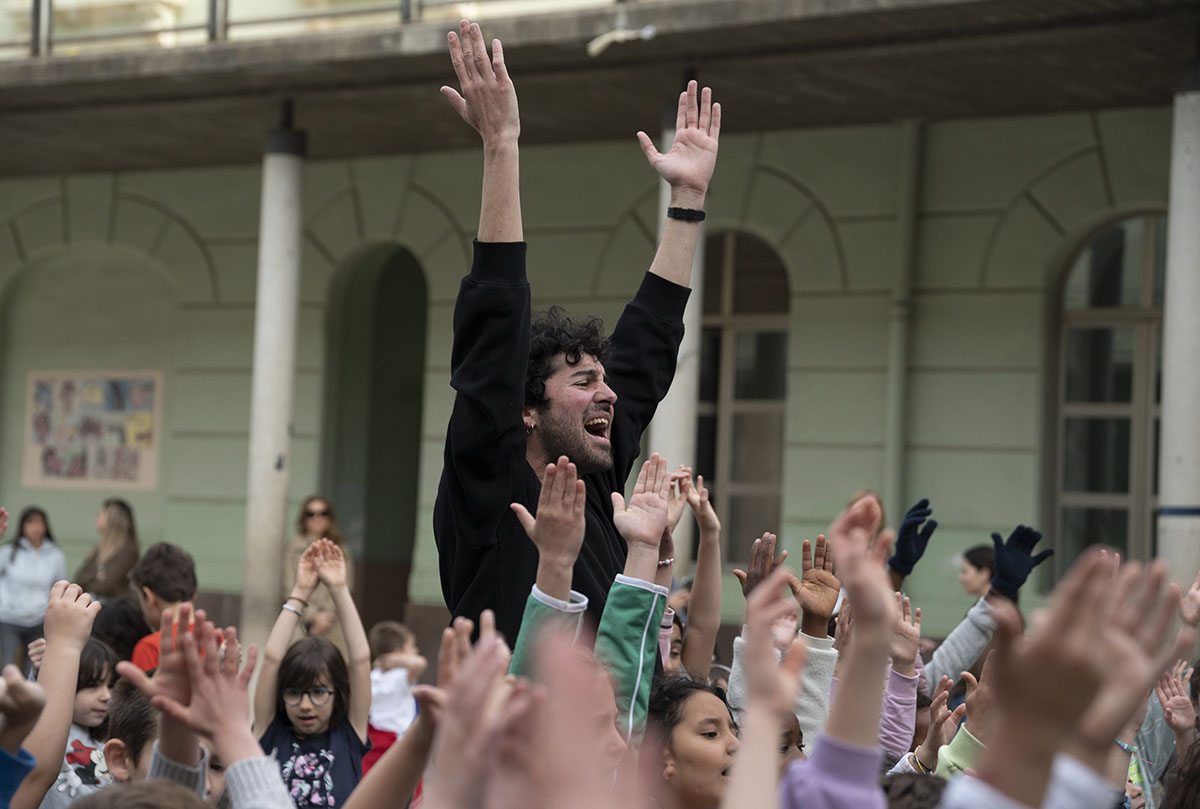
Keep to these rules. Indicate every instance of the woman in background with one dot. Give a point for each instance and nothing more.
(29, 566)
(316, 520)
(105, 571)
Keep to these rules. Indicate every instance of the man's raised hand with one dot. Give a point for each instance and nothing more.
(488, 101)
(688, 165)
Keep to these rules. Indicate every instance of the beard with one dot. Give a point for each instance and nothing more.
(566, 436)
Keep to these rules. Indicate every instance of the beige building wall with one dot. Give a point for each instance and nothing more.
(1003, 203)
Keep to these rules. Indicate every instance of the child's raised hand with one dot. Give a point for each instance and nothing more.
(677, 495)
(816, 591)
(331, 565)
(943, 724)
(1177, 706)
(69, 616)
(701, 505)
(906, 636)
(220, 699)
(558, 529)
(21, 703)
(35, 652)
(762, 562)
(772, 685)
(171, 675)
(644, 519)
(306, 571)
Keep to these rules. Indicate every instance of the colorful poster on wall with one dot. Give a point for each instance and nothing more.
(93, 429)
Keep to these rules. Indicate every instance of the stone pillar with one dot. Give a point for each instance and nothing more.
(672, 433)
(276, 313)
(1179, 444)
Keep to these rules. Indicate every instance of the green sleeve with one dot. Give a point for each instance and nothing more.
(542, 613)
(962, 753)
(627, 646)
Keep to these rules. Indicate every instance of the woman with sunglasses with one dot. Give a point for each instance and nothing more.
(317, 521)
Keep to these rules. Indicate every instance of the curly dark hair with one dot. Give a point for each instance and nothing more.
(552, 333)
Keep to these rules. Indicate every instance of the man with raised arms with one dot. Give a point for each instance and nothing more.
(530, 390)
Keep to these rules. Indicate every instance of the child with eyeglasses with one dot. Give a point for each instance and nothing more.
(311, 706)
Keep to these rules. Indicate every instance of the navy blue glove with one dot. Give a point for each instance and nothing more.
(912, 539)
(1015, 559)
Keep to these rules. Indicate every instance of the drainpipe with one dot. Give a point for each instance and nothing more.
(895, 432)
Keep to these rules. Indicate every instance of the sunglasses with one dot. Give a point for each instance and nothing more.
(310, 514)
(317, 696)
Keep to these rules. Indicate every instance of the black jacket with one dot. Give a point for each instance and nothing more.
(485, 558)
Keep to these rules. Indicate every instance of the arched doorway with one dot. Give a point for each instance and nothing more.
(375, 368)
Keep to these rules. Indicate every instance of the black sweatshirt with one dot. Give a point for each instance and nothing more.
(486, 559)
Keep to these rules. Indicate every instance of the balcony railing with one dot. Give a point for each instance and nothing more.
(41, 28)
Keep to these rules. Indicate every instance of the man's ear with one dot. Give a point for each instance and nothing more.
(116, 756)
(529, 417)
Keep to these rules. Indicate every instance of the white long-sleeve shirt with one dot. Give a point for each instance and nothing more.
(26, 576)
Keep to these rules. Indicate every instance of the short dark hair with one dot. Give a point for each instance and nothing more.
(552, 333)
(305, 663)
(669, 694)
(388, 636)
(168, 571)
(913, 790)
(131, 718)
(981, 556)
(121, 625)
(152, 794)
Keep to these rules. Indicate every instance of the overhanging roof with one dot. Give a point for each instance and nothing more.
(772, 63)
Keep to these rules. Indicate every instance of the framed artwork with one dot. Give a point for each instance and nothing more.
(92, 429)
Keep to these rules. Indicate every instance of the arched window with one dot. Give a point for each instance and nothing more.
(743, 383)
(1109, 385)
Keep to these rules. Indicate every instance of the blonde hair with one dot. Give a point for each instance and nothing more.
(120, 532)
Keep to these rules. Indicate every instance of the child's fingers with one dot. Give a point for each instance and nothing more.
(172, 709)
(136, 676)
(232, 652)
(243, 679)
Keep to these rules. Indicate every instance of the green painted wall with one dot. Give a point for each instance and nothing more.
(1002, 203)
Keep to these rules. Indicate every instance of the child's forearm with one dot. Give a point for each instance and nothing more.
(704, 610)
(178, 742)
(47, 741)
(357, 647)
(395, 776)
(754, 780)
(855, 713)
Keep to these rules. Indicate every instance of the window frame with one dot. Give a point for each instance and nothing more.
(727, 406)
(1143, 411)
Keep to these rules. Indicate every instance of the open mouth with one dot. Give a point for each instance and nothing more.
(597, 426)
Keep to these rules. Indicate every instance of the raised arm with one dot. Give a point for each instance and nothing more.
(281, 637)
(331, 569)
(688, 167)
(704, 609)
(69, 616)
(488, 102)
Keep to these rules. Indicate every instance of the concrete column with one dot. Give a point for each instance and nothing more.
(672, 433)
(276, 312)
(1179, 447)
(895, 431)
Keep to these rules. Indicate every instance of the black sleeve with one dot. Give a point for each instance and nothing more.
(641, 364)
(485, 439)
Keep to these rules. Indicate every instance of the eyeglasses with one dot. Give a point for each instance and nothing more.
(317, 696)
(321, 513)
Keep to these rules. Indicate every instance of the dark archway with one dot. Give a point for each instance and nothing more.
(371, 442)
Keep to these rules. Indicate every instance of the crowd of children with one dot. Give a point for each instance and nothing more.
(585, 682)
